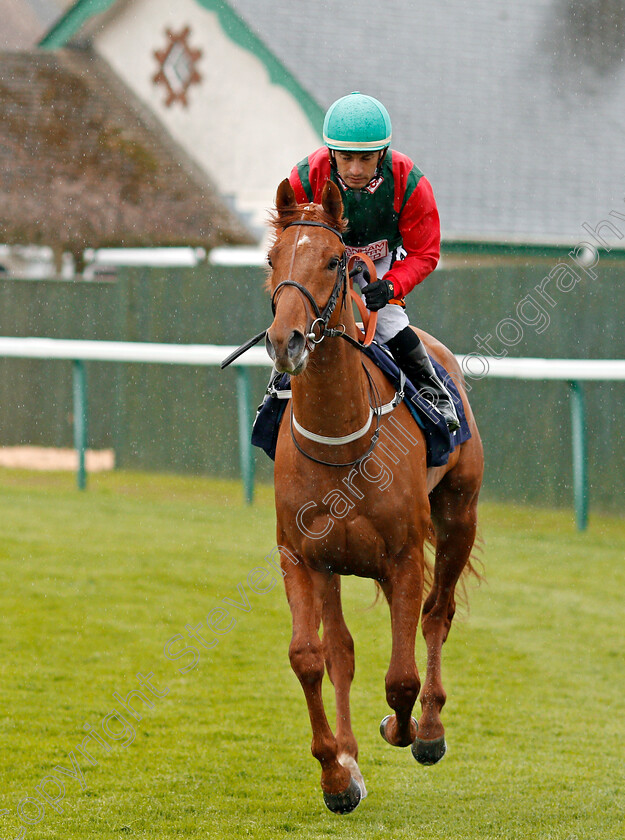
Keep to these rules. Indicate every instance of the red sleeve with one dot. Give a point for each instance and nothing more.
(310, 175)
(296, 183)
(419, 226)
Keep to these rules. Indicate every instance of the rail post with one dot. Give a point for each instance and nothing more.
(578, 441)
(246, 456)
(80, 419)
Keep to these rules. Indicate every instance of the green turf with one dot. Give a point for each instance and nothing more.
(94, 584)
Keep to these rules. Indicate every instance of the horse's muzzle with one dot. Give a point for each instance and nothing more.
(289, 354)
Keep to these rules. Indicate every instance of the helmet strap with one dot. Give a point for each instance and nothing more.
(381, 160)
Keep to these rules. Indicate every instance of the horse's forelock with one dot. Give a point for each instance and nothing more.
(308, 212)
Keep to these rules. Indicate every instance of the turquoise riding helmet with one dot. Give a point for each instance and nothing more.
(357, 123)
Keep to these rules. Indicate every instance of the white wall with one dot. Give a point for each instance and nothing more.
(245, 132)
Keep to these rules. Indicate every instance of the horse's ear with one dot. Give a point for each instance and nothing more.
(285, 197)
(331, 200)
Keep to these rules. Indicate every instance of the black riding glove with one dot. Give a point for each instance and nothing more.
(378, 294)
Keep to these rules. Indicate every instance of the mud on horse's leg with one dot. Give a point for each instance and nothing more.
(455, 520)
(306, 590)
(403, 590)
(338, 647)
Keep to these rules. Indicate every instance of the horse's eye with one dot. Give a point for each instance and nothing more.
(269, 263)
(333, 264)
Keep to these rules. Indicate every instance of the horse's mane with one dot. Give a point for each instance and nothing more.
(278, 220)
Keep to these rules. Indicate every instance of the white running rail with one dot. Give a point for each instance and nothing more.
(474, 366)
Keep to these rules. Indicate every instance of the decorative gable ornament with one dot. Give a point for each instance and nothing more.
(177, 67)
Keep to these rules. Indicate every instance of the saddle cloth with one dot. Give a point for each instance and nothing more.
(440, 441)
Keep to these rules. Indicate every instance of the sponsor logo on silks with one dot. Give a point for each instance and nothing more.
(371, 187)
(373, 184)
(375, 250)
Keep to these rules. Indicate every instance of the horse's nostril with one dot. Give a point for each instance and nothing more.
(296, 344)
(270, 348)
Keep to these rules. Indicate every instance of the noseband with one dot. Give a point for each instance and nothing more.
(322, 317)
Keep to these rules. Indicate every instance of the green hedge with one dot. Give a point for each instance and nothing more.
(174, 418)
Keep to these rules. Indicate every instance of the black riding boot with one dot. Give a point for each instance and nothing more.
(411, 356)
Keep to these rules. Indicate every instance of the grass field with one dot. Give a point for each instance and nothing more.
(96, 584)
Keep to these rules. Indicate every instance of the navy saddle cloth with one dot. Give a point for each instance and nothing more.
(440, 441)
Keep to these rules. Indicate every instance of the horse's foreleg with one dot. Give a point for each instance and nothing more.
(306, 590)
(455, 521)
(403, 590)
(338, 648)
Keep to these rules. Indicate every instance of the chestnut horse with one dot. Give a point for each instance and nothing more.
(354, 497)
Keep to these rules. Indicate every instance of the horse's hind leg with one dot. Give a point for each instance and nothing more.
(306, 591)
(338, 648)
(454, 513)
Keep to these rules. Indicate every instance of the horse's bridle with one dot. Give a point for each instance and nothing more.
(322, 316)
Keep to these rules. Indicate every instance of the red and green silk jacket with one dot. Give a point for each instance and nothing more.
(395, 209)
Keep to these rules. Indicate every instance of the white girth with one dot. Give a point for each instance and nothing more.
(340, 441)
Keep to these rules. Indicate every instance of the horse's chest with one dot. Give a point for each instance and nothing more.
(350, 536)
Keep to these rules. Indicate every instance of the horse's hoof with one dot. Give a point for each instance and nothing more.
(352, 765)
(429, 752)
(383, 724)
(345, 802)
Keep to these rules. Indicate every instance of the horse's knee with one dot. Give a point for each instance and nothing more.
(402, 690)
(437, 617)
(340, 669)
(307, 661)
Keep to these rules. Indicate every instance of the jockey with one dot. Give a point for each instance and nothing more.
(392, 218)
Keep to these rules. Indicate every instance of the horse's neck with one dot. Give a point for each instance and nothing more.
(331, 397)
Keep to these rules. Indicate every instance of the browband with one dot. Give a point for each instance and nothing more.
(310, 223)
